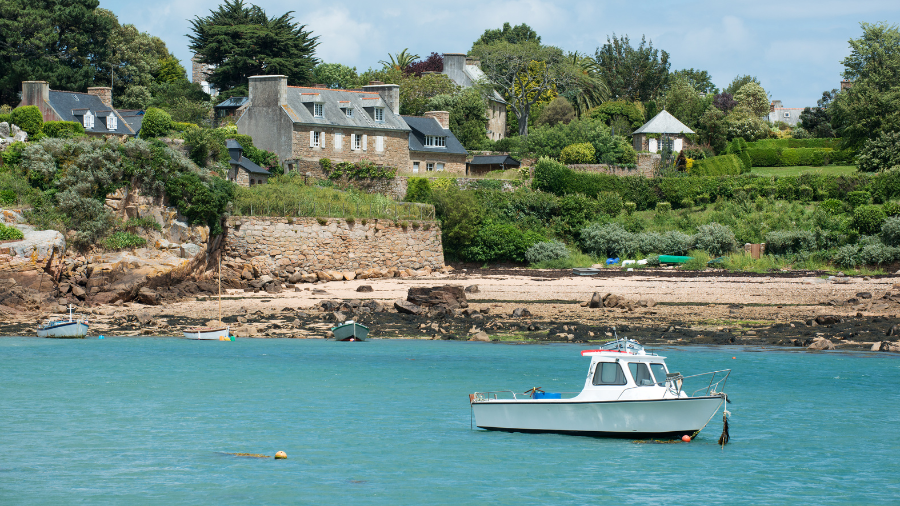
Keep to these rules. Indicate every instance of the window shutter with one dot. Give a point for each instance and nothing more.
(312, 140)
(337, 140)
(379, 143)
(364, 143)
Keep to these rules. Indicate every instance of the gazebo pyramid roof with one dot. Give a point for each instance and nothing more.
(663, 123)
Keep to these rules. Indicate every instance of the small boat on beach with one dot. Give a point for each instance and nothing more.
(350, 331)
(214, 331)
(75, 327)
(628, 393)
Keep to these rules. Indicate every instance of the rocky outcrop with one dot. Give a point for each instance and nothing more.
(451, 297)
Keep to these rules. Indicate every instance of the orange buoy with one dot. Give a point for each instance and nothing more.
(732, 358)
(686, 438)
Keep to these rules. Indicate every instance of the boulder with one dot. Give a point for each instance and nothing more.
(78, 291)
(349, 275)
(821, 344)
(447, 295)
(827, 320)
(521, 312)
(611, 301)
(596, 301)
(147, 296)
(893, 331)
(323, 276)
(481, 336)
(309, 278)
(406, 307)
(336, 316)
(374, 306)
(864, 295)
(365, 289)
(295, 278)
(472, 289)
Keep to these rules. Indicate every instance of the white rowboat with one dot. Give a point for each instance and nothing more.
(75, 327)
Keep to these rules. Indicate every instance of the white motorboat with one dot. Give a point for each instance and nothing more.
(75, 327)
(627, 394)
(208, 333)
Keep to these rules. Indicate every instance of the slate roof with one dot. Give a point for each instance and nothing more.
(134, 119)
(235, 148)
(471, 75)
(663, 123)
(495, 160)
(420, 127)
(334, 103)
(68, 103)
(232, 103)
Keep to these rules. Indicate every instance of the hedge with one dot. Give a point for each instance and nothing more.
(790, 157)
(63, 129)
(794, 143)
(723, 165)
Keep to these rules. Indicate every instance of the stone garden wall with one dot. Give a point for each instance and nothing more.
(274, 244)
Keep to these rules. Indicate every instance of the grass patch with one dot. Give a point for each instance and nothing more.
(575, 259)
(802, 169)
(123, 240)
(698, 261)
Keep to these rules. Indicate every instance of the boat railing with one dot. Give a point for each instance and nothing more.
(716, 384)
(509, 394)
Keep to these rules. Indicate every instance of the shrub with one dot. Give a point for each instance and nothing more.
(805, 193)
(663, 207)
(687, 203)
(858, 198)
(417, 190)
(29, 119)
(715, 239)
(876, 253)
(123, 240)
(868, 218)
(891, 208)
(63, 129)
(723, 165)
(629, 207)
(648, 242)
(577, 153)
(878, 154)
(608, 240)
(764, 157)
(846, 256)
(610, 203)
(8, 233)
(890, 231)
(653, 261)
(676, 243)
(786, 242)
(156, 123)
(500, 241)
(832, 206)
(543, 251)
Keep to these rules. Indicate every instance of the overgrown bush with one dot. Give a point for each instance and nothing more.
(786, 242)
(629, 208)
(29, 119)
(577, 153)
(610, 203)
(859, 198)
(868, 218)
(723, 165)
(663, 207)
(881, 153)
(805, 193)
(891, 208)
(498, 241)
(548, 250)
(63, 129)
(156, 123)
(890, 231)
(123, 240)
(610, 240)
(418, 190)
(715, 239)
(9, 233)
(832, 206)
(676, 243)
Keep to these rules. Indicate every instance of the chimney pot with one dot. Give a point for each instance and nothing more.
(104, 93)
(442, 117)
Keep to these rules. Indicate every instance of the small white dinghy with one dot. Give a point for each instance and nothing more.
(75, 327)
(219, 332)
(628, 393)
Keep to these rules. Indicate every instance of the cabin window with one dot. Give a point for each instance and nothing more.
(641, 374)
(659, 372)
(609, 373)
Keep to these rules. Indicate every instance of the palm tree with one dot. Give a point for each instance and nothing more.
(401, 61)
(592, 87)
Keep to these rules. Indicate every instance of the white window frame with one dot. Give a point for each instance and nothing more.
(111, 122)
(379, 114)
(318, 110)
(429, 167)
(88, 119)
(338, 140)
(415, 167)
(434, 141)
(315, 139)
(439, 167)
(787, 114)
(379, 143)
(355, 142)
(349, 111)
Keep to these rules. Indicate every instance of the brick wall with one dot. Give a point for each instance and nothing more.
(275, 243)
(394, 154)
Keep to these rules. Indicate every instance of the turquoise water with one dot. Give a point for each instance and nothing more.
(149, 420)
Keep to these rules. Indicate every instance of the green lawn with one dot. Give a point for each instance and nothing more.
(797, 170)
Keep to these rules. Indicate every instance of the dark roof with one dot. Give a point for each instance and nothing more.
(68, 103)
(250, 166)
(299, 107)
(133, 117)
(495, 160)
(232, 144)
(420, 127)
(232, 103)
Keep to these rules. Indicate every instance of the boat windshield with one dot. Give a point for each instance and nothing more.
(641, 374)
(659, 371)
(608, 373)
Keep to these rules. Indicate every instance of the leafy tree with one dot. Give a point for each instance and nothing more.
(434, 63)
(183, 100)
(817, 120)
(684, 102)
(875, 57)
(590, 89)
(335, 75)
(518, 34)
(754, 98)
(240, 40)
(699, 80)
(64, 43)
(170, 70)
(557, 111)
(713, 129)
(608, 112)
(468, 116)
(640, 73)
(401, 61)
(415, 92)
(724, 102)
(880, 153)
(524, 74)
(739, 83)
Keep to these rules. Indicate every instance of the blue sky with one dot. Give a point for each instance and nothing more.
(795, 48)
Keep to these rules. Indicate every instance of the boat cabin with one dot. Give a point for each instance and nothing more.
(617, 375)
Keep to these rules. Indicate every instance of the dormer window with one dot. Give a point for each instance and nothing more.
(433, 141)
(379, 114)
(349, 112)
(88, 119)
(111, 123)
(317, 110)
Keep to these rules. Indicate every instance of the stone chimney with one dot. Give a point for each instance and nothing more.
(268, 91)
(442, 117)
(454, 62)
(473, 61)
(103, 93)
(390, 93)
(35, 92)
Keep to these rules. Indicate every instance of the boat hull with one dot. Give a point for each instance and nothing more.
(207, 334)
(350, 331)
(631, 419)
(64, 330)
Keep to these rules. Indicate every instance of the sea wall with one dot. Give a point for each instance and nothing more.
(273, 244)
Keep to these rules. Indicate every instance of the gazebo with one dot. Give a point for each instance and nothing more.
(662, 129)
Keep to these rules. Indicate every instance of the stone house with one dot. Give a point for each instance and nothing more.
(788, 115)
(243, 171)
(200, 73)
(661, 130)
(93, 109)
(432, 147)
(466, 72)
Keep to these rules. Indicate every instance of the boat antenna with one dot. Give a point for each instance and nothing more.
(616, 337)
(219, 268)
